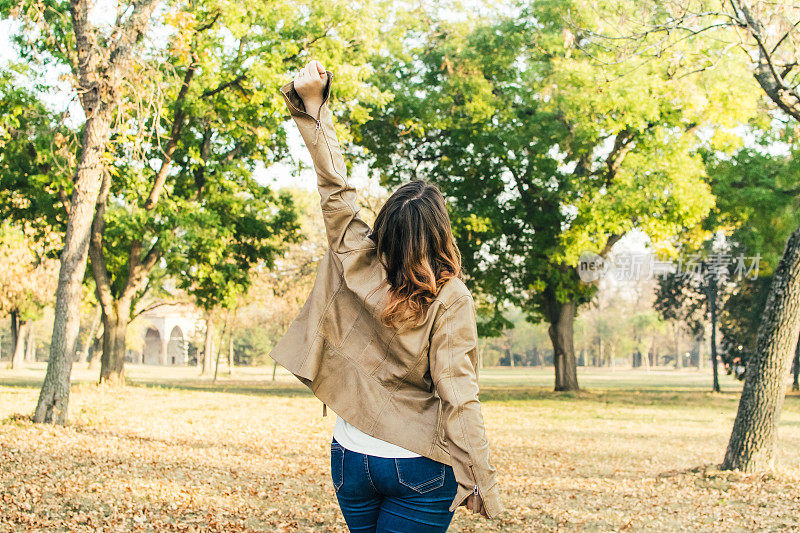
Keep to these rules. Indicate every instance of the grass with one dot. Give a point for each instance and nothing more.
(171, 452)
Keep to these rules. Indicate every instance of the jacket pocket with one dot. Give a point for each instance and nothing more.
(420, 474)
(337, 465)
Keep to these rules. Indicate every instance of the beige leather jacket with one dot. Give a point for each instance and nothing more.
(416, 388)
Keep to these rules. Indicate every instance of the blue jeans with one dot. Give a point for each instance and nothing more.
(377, 494)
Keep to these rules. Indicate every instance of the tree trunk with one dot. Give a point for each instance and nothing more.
(714, 357)
(796, 369)
(754, 437)
(14, 328)
(216, 363)
(677, 336)
(612, 350)
(701, 348)
(30, 349)
(97, 349)
(99, 80)
(561, 317)
(115, 330)
(98, 315)
(219, 350)
(115, 307)
(53, 402)
(600, 354)
(18, 348)
(712, 307)
(230, 353)
(208, 347)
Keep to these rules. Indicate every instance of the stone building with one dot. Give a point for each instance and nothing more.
(167, 330)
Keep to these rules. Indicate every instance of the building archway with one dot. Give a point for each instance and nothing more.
(176, 348)
(153, 347)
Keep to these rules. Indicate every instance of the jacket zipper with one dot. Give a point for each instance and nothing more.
(475, 491)
(317, 123)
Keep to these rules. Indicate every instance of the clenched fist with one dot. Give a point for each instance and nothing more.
(309, 84)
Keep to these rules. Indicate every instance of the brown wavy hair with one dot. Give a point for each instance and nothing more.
(415, 244)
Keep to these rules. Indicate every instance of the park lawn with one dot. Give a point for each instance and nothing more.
(175, 453)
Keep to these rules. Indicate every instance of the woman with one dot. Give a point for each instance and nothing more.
(388, 340)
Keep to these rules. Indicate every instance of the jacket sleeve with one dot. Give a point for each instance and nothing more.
(345, 229)
(453, 355)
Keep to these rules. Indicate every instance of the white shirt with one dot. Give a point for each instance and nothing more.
(355, 440)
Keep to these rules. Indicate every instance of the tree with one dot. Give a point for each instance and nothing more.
(173, 160)
(215, 268)
(755, 177)
(544, 155)
(222, 121)
(27, 281)
(277, 295)
(31, 153)
(754, 238)
(99, 59)
(644, 325)
(739, 320)
(767, 33)
(36, 162)
(754, 436)
(690, 297)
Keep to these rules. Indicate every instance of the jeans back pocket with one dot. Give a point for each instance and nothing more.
(337, 465)
(420, 474)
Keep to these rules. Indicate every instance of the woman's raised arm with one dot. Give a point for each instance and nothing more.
(306, 98)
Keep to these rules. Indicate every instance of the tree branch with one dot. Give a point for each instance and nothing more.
(223, 86)
(157, 305)
(613, 239)
(623, 144)
(766, 73)
(65, 200)
(140, 268)
(172, 143)
(130, 31)
(102, 278)
(785, 35)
